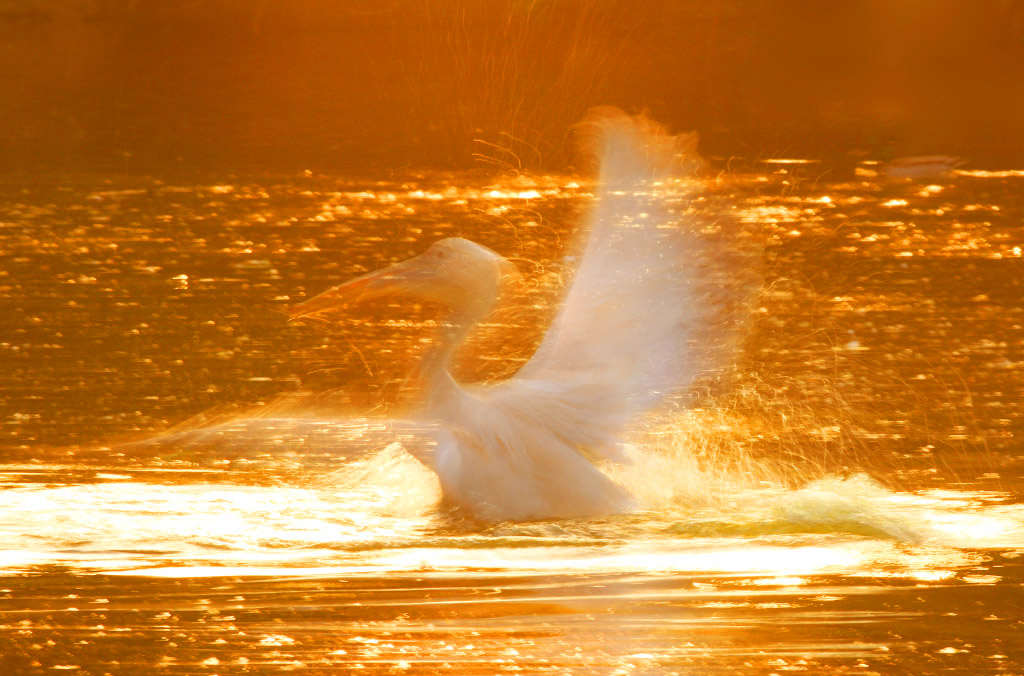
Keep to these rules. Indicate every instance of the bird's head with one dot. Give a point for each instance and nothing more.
(456, 273)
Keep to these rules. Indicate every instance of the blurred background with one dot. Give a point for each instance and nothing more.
(353, 85)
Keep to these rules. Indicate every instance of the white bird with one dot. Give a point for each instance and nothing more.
(624, 338)
(922, 166)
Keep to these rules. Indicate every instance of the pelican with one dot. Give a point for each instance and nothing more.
(530, 447)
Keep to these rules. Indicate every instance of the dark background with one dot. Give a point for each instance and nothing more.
(356, 85)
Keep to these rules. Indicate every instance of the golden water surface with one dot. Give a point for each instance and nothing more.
(192, 485)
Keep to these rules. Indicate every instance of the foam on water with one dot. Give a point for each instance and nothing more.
(383, 512)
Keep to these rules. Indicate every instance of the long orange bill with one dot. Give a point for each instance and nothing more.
(394, 279)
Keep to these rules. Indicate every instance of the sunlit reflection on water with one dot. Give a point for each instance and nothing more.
(383, 514)
(336, 574)
(846, 501)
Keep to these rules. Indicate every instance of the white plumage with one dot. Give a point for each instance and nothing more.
(624, 338)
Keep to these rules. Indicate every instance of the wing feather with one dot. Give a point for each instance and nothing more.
(630, 328)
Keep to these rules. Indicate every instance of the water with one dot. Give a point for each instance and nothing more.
(843, 498)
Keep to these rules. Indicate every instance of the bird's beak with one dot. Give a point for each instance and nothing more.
(401, 277)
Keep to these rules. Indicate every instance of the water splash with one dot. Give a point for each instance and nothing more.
(382, 512)
(412, 490)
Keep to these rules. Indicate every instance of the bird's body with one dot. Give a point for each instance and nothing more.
(526, 448)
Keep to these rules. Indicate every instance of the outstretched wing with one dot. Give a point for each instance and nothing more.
(630, 329)
(630, 332)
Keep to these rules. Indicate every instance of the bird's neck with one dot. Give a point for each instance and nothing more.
(471, 308)
(435, 372)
